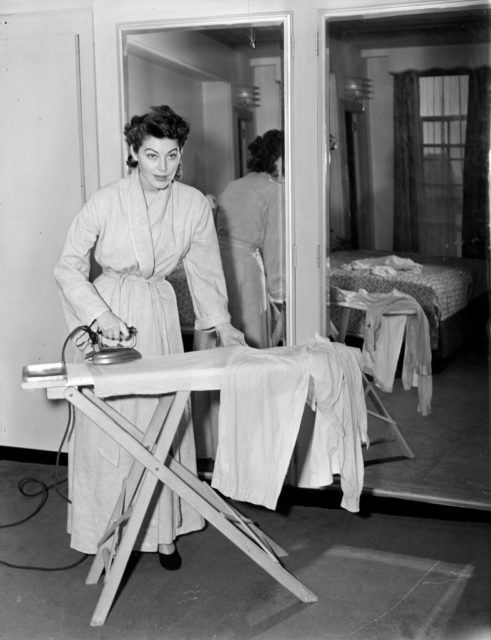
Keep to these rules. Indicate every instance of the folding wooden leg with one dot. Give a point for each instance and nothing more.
(233, 515)
(198, 498)
(136, 497)
(135, 475)
(203, 500)
(383, 414)
(370, 394)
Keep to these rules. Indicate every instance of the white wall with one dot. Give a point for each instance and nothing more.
(48, 164)
(268, 78)
(200, 55)
(217, 156)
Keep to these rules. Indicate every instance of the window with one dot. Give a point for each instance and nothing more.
(443, 110)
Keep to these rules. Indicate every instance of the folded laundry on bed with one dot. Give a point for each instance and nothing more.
(385, 265)
(262, 403)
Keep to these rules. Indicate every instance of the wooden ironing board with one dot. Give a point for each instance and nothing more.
(173, 378)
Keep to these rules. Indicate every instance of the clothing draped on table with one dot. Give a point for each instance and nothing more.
(262, 403)
(340, 426)
(388, 318)
(136, 249)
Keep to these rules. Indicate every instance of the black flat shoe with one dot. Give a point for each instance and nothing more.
(170, 561)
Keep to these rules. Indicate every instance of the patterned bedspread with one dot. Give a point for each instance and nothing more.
(443, 286)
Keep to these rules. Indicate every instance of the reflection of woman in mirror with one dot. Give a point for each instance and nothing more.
(140, 227)
(250, 215)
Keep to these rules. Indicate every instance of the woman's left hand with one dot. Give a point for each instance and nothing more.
(229, 336)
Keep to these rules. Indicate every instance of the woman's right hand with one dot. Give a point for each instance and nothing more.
(112, 327)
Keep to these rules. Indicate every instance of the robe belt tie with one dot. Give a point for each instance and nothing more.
(233, 243)
(228, 241)
(157, 282)
(153, 279)
(160, 289)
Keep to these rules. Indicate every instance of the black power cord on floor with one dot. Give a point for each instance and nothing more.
(44, 488)
(44, 493)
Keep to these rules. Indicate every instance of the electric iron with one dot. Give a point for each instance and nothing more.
(103, 354)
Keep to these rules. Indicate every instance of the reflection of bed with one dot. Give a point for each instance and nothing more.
(451, 291)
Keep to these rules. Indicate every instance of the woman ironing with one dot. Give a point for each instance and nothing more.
(139, 228)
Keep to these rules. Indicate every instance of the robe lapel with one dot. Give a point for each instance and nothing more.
(134, 204)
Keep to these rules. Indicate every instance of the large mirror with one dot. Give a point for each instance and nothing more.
(407, 135)
(231, 81)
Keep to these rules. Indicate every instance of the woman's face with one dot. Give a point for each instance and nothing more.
(158, 160)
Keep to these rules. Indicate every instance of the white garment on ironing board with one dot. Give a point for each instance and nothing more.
(262, 403)
(340, 422)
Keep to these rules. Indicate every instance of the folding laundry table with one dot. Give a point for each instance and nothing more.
(380, 412)
(172, 377)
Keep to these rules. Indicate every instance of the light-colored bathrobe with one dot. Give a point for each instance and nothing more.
(136, 250)
(250, 227)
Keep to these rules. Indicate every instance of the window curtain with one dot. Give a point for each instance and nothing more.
(408, 161)
(475, 215)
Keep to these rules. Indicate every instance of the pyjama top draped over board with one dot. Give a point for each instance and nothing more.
(262, 403)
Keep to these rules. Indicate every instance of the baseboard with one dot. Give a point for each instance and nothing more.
(33, 456)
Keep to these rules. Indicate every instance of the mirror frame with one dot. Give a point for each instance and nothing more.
(283, 19)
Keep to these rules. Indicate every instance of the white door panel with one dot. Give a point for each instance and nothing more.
(41, 189)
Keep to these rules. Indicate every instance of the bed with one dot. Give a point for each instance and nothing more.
(453, 292)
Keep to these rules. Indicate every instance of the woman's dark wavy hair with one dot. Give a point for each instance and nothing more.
(160, 122)
(265, 151)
